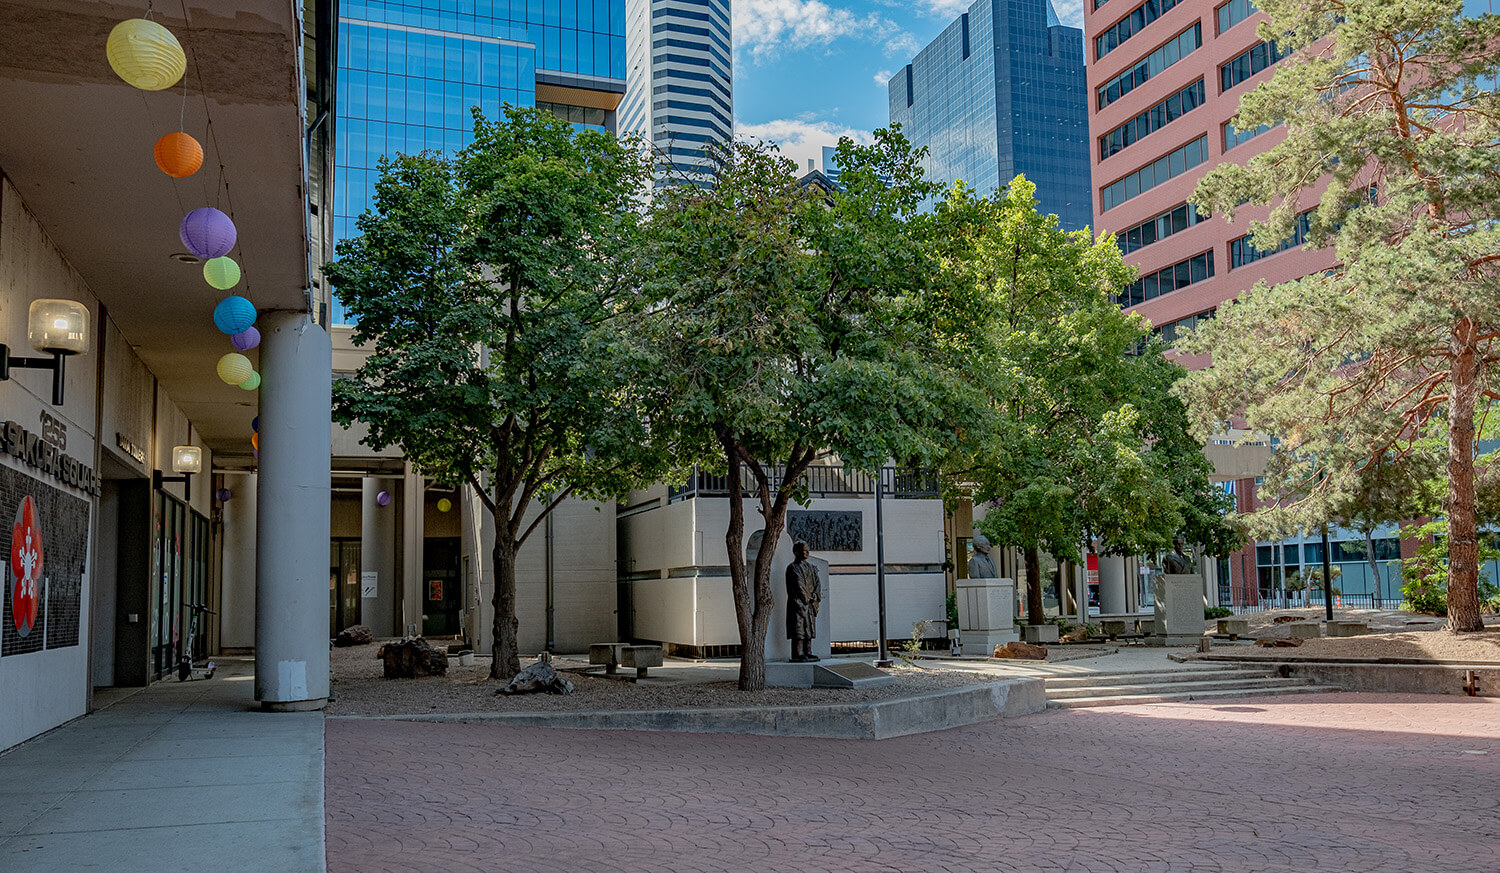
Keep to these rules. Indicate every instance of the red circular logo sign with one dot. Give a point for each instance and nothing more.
(25, 567)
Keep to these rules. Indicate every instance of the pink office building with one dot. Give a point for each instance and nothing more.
(1164, 82)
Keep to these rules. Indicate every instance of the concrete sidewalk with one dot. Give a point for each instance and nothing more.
(175, 777)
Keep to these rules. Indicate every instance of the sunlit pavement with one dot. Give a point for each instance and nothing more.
(1347, 782)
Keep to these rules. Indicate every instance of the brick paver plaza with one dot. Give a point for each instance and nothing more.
(1347, 782)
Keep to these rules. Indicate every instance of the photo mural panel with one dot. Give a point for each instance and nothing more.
(44, 535)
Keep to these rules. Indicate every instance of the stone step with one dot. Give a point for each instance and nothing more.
(1172, 687)
(1156, 677)
(1179, 696)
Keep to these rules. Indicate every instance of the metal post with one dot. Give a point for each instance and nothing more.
(884, 658)
(1327, 577)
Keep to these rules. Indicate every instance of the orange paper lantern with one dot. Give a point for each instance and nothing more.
(178, 155)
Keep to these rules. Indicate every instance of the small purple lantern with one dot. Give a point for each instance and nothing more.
(383, 498)
(207, 233)
(246, 339)
(223, 494)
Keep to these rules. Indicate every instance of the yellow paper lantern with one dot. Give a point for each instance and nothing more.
(235, 368)
(145, 54)
(222, 273)
(251, 384)
(178, 155)
(444, 505)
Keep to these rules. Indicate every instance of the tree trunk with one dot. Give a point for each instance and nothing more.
(1034, 586)
(752, 656)
(765, 604)
(1374, 565)
(1463, 536)
(506, 649)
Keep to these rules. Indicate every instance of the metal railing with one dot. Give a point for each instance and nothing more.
(1340, 601)
(900, 483)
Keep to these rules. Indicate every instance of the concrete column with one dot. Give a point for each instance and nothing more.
(377, 555)
(237, 607)
(291, 596)
(413, 494)
(1112, 585)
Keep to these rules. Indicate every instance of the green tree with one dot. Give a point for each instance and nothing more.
(1393, 105)
(489, 285)
(1084, 441)
(790, 324)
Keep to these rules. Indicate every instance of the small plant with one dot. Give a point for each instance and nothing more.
(912, 648)
(952, 610)
(1217, 612)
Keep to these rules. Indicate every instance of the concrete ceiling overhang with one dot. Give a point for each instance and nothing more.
(76, 142)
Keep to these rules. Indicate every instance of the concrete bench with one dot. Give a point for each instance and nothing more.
(1233, 627)
(1347, 628)
(1303, 630)
(613, 656)
(641, 658)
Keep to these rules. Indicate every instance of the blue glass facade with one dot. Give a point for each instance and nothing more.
(999, 93)
(408, 72)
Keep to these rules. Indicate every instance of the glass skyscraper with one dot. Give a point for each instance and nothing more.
(999, 93)
(408, 72)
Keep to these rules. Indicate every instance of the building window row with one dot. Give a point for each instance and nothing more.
(1173, 330)
(695, 107)
(688, 30)
(1166, 167)
(692, 46)
(574, 114)
(1131, 25)
(692, 76)
(1242, 252)
(1152, 120)
(1234, 12)
(1180, 275)
(1174, 220)
(1174, 50)
(684, 121)
(1248, 64)
(717, 22)
(695, 92)
(1233, 136)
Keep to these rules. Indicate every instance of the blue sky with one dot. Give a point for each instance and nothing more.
(810, 71)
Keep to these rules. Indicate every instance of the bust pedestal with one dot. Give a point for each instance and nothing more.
(986, 614)
(1179, 609)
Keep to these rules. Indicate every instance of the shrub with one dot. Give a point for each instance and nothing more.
(1217, 612)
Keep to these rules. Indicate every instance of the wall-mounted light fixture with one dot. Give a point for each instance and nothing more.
(186, 460)
(57, 327)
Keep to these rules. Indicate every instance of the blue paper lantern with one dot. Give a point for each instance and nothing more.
(234, 315)
(255, 424)
(207, 233)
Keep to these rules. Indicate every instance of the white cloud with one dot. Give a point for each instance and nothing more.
(800, 139)
(882, 78)
(763, 28)
(1069, 12)
(903, 45)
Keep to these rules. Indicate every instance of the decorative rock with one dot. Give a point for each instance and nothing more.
(354, 635)
(1019, 649)
(411, 657)
(1283, 619)
(1078, 634)
(538, 677)
(1280, 644)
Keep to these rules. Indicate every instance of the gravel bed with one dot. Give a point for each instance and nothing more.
(1392, 635)
(359, 688)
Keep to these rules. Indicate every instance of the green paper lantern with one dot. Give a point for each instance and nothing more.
(251, 383)
(222, 273)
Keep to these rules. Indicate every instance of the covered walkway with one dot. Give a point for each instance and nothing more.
(174, 777)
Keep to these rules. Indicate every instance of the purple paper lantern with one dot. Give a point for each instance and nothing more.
(207, 233)
(383, 498)
(246, 339)
(223, 494)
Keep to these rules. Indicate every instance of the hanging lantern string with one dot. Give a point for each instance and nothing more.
(176, 190)
(223, 200)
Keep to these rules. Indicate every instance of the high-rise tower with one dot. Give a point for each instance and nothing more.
(679, 97)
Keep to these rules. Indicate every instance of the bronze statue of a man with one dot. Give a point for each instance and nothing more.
(803, 596)
(1176, 562)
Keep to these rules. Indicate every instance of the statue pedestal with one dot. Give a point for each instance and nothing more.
(986, 614)
(1179, 609)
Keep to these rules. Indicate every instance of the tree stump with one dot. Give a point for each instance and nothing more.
(412, 657)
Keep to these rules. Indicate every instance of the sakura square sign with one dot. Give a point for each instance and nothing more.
(44, 548)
